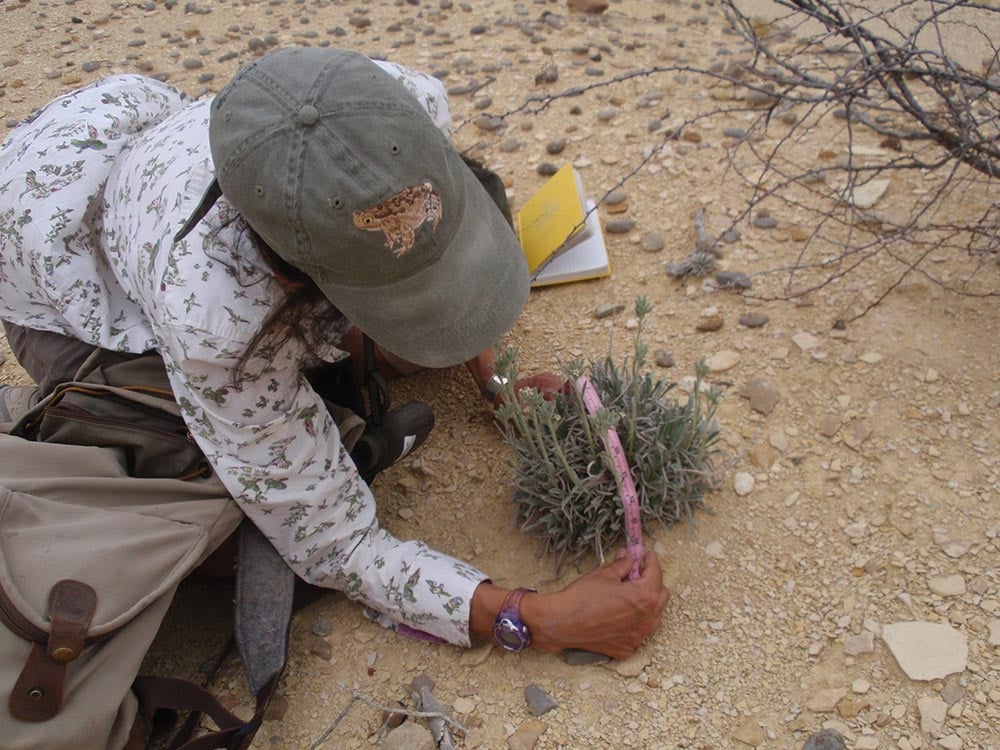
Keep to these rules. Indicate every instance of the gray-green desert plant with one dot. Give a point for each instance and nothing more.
(564, 486)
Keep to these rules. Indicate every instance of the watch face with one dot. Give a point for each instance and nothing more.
(512, 635)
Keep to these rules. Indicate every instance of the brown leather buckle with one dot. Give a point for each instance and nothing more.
(38, 692)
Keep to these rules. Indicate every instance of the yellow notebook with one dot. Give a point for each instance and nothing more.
(561, 241)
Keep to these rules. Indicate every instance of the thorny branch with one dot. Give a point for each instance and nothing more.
(841, 69)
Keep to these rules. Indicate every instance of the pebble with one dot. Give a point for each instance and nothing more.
(952, 692)
(538, 700)
(732, 280)
(805, 341)
(828, 739)
(629, 667)
(743, 483)
(753, 320)
(933, 712)
(556, 147)
(578, 657)
(722, 361)
(762, 456)
(861, 686)
(277, 708)
(546, 169)
(606, 115)
(549, 75)
(615, 197)
(750, 733)
(829, 425)
(464, 705)
(871, 358)
(90, 66)
(409, 736)
(734, 132)
(321, 648)
(663, 358)
(947, 586)
(763, 398)
(867, 195)
(857, 432)
(487, 123)
(715, 550)
(322, 627)
(709, 324)
(652, 242)
(995, 633)
(619, 226)
(526, 736)
(483, 102)
(510, 145)
(608, 309)
(764, 222)
(588, 6)
(926, 650)
(862, 643)
(825, 701)
(192, 63)
(950, 742)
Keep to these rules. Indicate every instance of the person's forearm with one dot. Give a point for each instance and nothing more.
(486, 602)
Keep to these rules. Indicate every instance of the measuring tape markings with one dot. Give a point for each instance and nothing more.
(623, 477)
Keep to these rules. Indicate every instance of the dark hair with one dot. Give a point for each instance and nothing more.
(305, 314)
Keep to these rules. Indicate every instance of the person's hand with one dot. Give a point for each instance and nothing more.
(601, 611)
(547, 383)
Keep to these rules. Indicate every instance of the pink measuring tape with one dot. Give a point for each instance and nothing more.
(623, 477)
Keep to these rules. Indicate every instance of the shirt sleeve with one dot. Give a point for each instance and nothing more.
(278, 451)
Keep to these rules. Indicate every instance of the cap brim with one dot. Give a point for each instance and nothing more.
(456, 308)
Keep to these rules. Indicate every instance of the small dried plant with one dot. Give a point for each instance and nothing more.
(564, 484)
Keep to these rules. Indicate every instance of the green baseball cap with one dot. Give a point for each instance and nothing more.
(338, 167)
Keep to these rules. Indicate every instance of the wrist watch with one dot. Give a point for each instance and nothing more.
(509, 629)
(493, 386)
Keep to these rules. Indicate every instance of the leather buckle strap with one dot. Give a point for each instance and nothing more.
(38, 693)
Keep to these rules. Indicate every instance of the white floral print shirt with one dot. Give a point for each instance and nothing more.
(92, 191)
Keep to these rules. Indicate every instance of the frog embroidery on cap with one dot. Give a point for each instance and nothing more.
(400, 215)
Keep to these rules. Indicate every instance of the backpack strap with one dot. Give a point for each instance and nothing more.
(265, 588)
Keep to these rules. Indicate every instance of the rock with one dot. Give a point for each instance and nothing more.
(731, 235)
(488, 123)
(511, 144)
(606, 115)
(546, 169)
(557, 146)
(779, 441)
(857, 433)
(829, 425)
(734, 132)
(578, 657)
(652, 242)
(619, 226)
(588, 6)
(871, 358)
(743, 483)
(464, 705)
(750, 733)
(950, 742)
(663, 358)
(322, 627)
(805, 341)
(321, 648)
(926, 650)
(849, 708)
(764, 222)
(409, 736)
(931, 376)
(825, 701)
(608, 309)
(865, 196)
(526, 736)
(861, 686)
(953, 585)
(762, 456)
(715, 550)
(708, 324)
(933, 712)
(828, 739)
(549, 75)
(763, 398)
(753, 320)
(539, 701)
(995, 633)
(732, 280)
(862, 643)
(615, 197)
(952, 692)
(630, 667)
(722, 361)
(473, 657)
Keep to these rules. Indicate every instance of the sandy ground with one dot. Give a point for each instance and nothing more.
(891, 518)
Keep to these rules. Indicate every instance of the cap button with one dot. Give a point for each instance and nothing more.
(308, 115)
